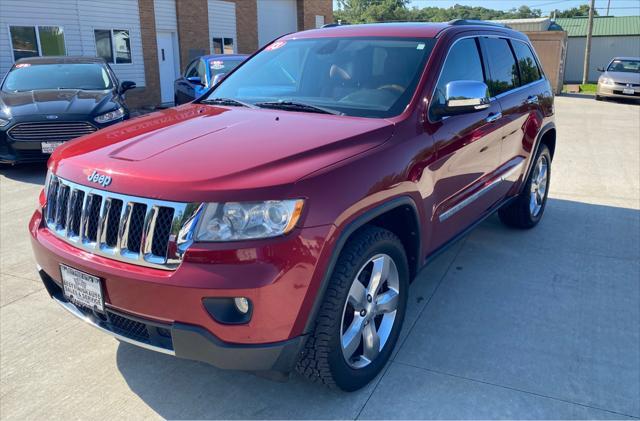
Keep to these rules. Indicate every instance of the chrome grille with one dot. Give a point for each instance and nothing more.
(126, 228)
(59, 131)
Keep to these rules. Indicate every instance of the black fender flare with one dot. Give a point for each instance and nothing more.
(549, 126)
(360, 221)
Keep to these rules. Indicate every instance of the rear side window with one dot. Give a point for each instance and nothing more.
(462, 63)
(191, 70)
(529, 71)
(502, 66)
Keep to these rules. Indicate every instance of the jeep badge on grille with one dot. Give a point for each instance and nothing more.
(103, 180)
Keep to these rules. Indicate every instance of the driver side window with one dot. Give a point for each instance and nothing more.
(462, 63)
(191, 69)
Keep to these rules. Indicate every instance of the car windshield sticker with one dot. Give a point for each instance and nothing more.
(420, 46)
(276, 45)
(217, 65)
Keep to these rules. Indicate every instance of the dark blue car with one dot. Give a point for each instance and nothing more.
(202, 73)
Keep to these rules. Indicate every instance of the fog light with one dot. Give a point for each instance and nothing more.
(242, 304)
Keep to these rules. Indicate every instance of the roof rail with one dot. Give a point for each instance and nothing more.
(476, 22)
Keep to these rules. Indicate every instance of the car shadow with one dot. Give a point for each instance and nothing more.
(180, 389)
(25, 173)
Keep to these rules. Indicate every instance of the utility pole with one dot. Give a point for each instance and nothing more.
(587, 50)
(608, 6)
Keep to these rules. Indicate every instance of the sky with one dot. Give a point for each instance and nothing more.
(618, 7)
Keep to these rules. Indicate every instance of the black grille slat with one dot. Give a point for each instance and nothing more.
(136, 225)
(113, 223)
(93, 217)
(162, 230)
(76, 212)
(61, 206)
(52, 198)
(50, 131)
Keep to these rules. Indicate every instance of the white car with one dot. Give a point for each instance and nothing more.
(621, 79)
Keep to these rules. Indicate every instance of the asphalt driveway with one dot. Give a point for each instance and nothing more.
(506, 324)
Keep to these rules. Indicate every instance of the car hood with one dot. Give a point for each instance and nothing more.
(201, 152)
(56, 102)
(623, 77)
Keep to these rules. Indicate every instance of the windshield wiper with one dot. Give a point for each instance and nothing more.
(297, 106)
(227, 101)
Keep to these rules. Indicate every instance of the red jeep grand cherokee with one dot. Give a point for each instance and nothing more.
(275, 223)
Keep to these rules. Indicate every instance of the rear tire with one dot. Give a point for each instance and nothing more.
(599, 98)
(526, 210)
(362, 313)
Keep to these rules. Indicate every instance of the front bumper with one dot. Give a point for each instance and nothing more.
(280, 277)
(183, 340)
(23, 152)
(610, 91)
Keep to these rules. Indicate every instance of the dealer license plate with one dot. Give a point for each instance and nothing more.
(49, 147)
(81, 288)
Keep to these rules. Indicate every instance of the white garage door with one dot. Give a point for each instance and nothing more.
(276, 18)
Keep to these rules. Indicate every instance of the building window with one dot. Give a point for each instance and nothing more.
(223, 46)
(113, 45)
(32, 41)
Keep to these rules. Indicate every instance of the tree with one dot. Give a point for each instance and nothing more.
(582, 10)
(363, 11)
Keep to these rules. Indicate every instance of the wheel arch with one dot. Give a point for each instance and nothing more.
(546, 136)
(385, 215)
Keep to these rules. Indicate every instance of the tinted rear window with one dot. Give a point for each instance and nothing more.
(529, 71)
(502, 66)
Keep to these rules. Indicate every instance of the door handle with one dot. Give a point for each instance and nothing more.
(493, 117)
(533, 99)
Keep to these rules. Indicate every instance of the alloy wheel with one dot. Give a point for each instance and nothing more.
(539, 184)
(370, 311)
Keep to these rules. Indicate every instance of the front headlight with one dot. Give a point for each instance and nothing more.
(4, 121)
(606, 81)
(110, 116)
(248, 220)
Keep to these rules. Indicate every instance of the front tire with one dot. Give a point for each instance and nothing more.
(362, 313)
(526, 210)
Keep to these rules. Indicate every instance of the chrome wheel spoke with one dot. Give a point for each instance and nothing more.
(371, 342)
(542, 176)
(387, 302)
(379, 274)
(533, 204)
(351, 338)
(357, 295)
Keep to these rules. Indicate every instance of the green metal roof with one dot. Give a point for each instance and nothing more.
(603, 26)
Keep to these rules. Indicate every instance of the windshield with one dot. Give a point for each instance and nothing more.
(365, 77)
(28, 77)
(625, 66)
(218, 67)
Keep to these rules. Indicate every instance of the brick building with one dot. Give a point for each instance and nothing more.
(149, 41)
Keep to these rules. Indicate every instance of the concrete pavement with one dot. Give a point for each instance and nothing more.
(506, 324)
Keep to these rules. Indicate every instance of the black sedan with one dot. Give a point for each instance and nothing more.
(45, 101)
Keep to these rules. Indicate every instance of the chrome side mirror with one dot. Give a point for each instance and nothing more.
(462, 96)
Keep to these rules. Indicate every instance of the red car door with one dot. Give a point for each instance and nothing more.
(468, 150)
(522, 106)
